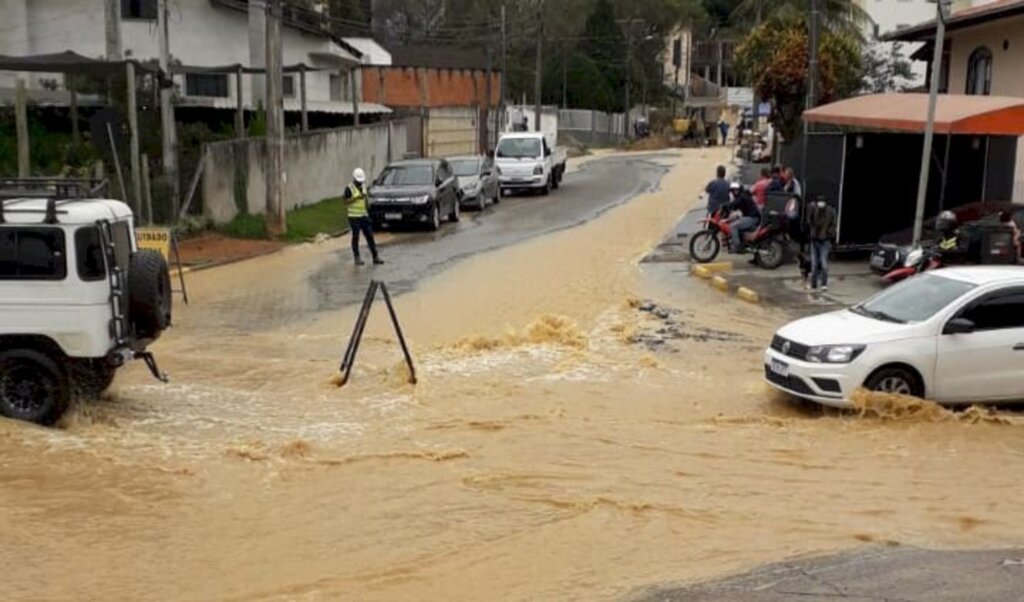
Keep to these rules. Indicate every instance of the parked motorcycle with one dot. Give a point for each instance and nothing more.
(921, 259)
(767, 242)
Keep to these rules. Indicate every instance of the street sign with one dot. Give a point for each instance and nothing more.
(163, 241)
(156, 239)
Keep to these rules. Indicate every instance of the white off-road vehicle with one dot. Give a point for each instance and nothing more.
(78, 298)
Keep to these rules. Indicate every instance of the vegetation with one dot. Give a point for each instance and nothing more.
(775, 58)
(304, 223)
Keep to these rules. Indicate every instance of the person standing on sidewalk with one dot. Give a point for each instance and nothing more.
(822, 226)
(357, 208)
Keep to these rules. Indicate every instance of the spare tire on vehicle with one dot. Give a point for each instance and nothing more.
(149, 294)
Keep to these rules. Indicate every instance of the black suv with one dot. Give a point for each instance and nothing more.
(419, 191)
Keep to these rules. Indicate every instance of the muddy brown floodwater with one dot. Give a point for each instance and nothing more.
(585, 425)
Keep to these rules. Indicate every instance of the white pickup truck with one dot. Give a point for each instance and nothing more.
(527, 161)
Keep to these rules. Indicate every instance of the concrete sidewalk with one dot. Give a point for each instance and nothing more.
(851, 281)
(877, 574)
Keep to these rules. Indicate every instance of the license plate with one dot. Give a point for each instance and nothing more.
(780, 368)
(878, 261)
(392, 216)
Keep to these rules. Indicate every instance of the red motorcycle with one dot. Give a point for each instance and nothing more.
(917, 261)
(767, 242)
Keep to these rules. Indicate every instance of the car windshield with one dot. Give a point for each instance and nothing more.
(407, 175)
(913, 300)
(519, 148)
(466, 167)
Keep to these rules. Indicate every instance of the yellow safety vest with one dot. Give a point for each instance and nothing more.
(357, 204)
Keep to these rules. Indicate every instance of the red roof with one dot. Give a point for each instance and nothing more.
(954, 114)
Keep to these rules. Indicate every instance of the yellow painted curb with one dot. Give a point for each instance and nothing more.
(719, 267)
(720, 283)
(748, 295)
(702, 271)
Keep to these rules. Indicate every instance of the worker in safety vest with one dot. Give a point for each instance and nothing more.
(355, 200)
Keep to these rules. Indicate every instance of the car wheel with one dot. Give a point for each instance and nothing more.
(547, 188)
(895, 379)
(32, 387)
(556, 179)
(456, 213)
(435, 218)
(90, 377)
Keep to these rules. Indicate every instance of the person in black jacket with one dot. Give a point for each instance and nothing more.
(749, 218)
(821, 222)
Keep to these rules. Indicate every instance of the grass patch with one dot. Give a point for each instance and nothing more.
(304, 223)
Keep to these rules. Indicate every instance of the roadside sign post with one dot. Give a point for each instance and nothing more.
(165, 242)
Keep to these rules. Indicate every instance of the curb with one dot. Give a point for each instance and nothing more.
(748, 295)
(714, 273)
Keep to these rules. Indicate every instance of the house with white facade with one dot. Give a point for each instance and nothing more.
(203, 34)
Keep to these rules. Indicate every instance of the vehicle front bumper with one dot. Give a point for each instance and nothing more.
(827, 384)
(519, 182)
(401, 212)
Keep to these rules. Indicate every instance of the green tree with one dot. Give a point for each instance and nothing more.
(836, 15)
(775, 58)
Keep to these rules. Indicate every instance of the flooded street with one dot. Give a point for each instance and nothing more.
(585, 425)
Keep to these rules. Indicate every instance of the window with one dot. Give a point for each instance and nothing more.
(997, 312)
(406, 175)
(89, 251)
(32, 254)
(466, 167)
(138, 9)
(913, 300)
(979, 72)
(288, 88)
(516, 148)
(210, 85)
(122, 239)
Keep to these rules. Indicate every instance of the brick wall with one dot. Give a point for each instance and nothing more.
(414, 87)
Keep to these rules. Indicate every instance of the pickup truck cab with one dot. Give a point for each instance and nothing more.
(527, 161)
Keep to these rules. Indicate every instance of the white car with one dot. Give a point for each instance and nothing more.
(953, 336)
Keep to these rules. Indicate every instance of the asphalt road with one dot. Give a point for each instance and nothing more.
(892, 574)
(585, 194)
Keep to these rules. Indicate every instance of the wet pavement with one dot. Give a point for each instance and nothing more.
(887, 574)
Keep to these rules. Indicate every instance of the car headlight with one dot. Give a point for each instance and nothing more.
(913, 258)
(420, 200)
(834, 354)
(539, 170)
(472, 188)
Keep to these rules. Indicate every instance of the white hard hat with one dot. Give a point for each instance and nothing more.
(359, 175)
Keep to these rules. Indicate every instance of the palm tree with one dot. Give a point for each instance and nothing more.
(837, 15)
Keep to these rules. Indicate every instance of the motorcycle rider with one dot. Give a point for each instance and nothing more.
(948, 231)
(748, 218)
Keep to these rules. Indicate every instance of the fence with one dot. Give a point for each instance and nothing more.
(592, 128)
(317, 165)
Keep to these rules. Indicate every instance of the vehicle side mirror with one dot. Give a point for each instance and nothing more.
(958, 326)
(547, 152)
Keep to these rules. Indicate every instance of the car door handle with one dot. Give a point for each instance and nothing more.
(1018, 347)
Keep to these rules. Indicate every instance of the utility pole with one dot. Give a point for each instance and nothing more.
(133, 145)
(539, 71)
(170, 135)
(488, 94)
(629, 78)
(275, 217)
(812, 86)
(21, 126)
(756, 113)
(929, 129)
(112, 18)
(500, 115)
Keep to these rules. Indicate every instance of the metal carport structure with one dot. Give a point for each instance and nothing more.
(865, 155)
